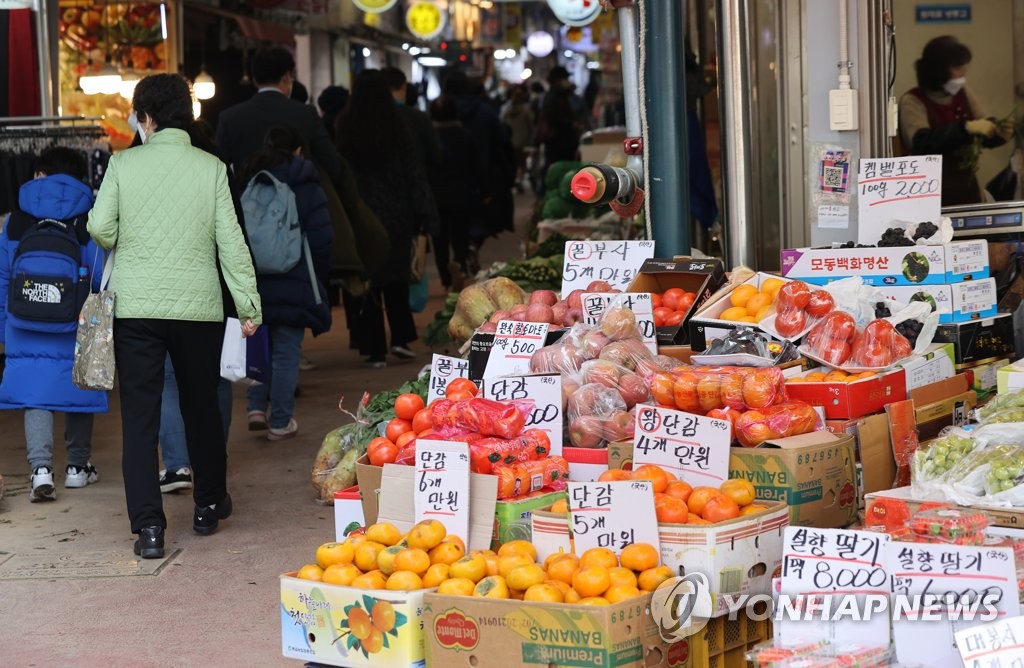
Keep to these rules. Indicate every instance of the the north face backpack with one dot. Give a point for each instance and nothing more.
(272, 223)
(48, 283)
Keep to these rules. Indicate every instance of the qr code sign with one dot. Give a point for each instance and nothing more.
(835, 172)
(833, 178)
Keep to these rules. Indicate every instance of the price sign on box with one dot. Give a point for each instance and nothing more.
(892, 190)
(596, 303)
(442, 485)
(612, 514)
(443, 370)
(514, 345)
(939, 590)
(616, 262)
(999, 643)
(544, 390)
(693, 447)
(825, 571)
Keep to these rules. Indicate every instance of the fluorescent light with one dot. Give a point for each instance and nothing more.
(106, 81)
(593, 65)
(163, 21)
(511, 53)
(204, 85)
(197, 108)
(432, 61)
(366, 52)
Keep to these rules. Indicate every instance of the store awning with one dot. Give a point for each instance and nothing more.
(251, 28)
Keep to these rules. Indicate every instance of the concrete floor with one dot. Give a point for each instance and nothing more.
(216, 602)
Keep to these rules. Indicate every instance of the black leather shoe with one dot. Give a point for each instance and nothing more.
(150, 544)
(206, 518)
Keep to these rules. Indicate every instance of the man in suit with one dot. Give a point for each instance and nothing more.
(241, 129)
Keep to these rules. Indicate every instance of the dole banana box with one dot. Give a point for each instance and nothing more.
(474, 631)
(344, 626)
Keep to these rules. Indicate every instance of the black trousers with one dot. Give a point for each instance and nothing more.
(140, 346)
(372, 337)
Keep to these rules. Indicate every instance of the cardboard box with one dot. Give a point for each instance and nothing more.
(738, 556)
(936, 363)
(905, 265)
(842, 400)
(585, 464)
(901, 501)
(984, 375)
(814, 474)
(512, 517)
(387, 495)
(480, 350)
(979, 340)
(956, 302)
(874, 452)
(705, 325)
(1010, 377)
(314, 624)
(942, 404)
(466, 631)
(348, 510)
(620, 455)
(701, 277)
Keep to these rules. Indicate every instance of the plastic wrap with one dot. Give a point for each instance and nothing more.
(799, 307)
(504, 419)
(1005, 416)
(932, 461)
(631, 386)
(772, 652)
(1000, 402)
(486, 453)
(951, 526)
(790, 418)
(836, 342)
(701, 389)
(524, 478)
(753, 347)
(597, 414)
(991, 475)
(850, 655)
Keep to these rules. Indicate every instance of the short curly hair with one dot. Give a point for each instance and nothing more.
(939, 56)
(166, 99)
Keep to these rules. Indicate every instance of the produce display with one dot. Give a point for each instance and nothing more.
(477, 302)
(752, 304)
(949, 525)
(837, 341)
(831, 376)
(671, 306)
(932, 461)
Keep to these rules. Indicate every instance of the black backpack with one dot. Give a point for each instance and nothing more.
(48, 283)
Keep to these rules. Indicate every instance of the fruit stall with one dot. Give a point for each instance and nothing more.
(592, 447)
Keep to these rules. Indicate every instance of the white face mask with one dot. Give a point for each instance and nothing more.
(133, 123)
(953, 86)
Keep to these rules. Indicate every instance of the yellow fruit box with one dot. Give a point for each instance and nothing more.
(473, 631)
(345, 626)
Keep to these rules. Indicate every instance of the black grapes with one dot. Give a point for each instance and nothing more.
(910, 329)
(893, 237)
(882, 310)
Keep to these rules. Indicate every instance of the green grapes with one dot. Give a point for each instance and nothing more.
(933, 462)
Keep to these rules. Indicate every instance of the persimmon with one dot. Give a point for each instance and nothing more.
(720, 508)
(492, 586)
(618, 593)
(332, 553)
(404, 581)
(598, 556)
(694, 519)
(752, 509)
(669, 509)
(545, 592)
(435, 575)
(639, 557)
(741, 491)
(622, 576)
(684, 393)
(699, 497)
(650, 579)
(657, 475)
(679, 489)
(561, 506)
(662, 389)
(591, 581)
(563, 568)
(613, 475)
(456, 587)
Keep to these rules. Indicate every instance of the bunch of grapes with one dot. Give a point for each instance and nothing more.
(882, 310)
(894, 236)
(850, 244)
(925, 230)
(1005, 473)
(910, 329)
(1001, 402)
(1008, 415)
(933, 462)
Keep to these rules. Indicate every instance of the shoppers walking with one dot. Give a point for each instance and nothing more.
(331, 101)
(165, 208)
(941, 116)
(46, 259)
(517, 116)
(296, 299)
(372, 136)
(558, 125)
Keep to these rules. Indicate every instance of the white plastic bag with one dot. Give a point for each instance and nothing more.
(232, 352)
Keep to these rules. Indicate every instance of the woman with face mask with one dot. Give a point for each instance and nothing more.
(940, 116)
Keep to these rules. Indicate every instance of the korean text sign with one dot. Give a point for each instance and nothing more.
(442, 485)
(612, 514)
(616, 262)
(893, 190)
(695, 448)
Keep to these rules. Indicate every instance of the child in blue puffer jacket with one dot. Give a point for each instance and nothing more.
(42, 285)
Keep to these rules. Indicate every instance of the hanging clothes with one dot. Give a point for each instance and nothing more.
(23, 93)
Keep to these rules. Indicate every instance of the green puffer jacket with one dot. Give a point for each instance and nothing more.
(166, 208)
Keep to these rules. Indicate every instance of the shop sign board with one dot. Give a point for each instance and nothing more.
(424, 20)
(374, 6)
(514, 345)
(443, 370)
(942, 13)
(894, 190)
(999, 643)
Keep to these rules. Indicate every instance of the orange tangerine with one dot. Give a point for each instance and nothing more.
(310, 572)
(758, 302)
(591, 581)
(572, 597)
(525, 576)
(510, 561)
(562, 586)
(639, 557)
(652, 578)
(564, 568)
(620, 593)
(733, 313)
(599, 556)
(771, 286)
(435, 575)
(594, 600)
(518, 547)
(622, 577)
(560, 506)
(742, 294)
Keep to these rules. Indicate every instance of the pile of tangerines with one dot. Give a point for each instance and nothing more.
(677, 502)
(426, 557)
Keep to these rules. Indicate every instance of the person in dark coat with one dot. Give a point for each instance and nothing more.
(40, 355)
(372, 136)
(331, 101)
(290, 302)
(459, 190)
(559, 123)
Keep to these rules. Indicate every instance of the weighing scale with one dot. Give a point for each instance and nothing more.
(984, 219)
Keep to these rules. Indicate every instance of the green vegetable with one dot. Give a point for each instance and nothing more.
(556, 207)
(553, 245)
(553, 177)
(334, 466)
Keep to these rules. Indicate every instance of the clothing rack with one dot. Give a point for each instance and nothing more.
(49, 119)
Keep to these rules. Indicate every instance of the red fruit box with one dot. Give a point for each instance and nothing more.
(585, 464)
(843, 401)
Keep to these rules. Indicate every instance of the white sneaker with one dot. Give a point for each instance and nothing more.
(78, 476)
(42, 485)
(286, 432)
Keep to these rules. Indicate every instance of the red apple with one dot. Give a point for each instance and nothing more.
(585, 432)
(547, 297)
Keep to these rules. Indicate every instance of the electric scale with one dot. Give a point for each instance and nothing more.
(978, 220)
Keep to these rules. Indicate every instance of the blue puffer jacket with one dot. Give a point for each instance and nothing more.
(38, 371)
(288, 298)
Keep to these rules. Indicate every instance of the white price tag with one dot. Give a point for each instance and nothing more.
(693, 447)
(998, 643)
(940, 590)
(546, 393)
(442, 485)
(612, 514)
(889, 190)
(443, 370)
(595, 304)
(826, 569)
(514, 345)
(616, 262)
(834, 216)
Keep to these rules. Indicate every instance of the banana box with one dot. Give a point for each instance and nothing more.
(345, 626)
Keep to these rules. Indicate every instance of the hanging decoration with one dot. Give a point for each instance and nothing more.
(374, 6)
(575, 12)
(424, 20)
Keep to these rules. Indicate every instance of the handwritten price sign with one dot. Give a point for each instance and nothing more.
(897, 189)
(947, 589)
(999, 644)
(616, 262)
(443, 370)
(694, 447)
(833, 564)
(442, 485)
(514, 345)
(612, 514)
(595, 304)
(545, 391)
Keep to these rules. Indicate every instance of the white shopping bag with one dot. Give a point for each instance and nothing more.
(232, 352)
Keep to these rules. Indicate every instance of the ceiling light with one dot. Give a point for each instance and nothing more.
(405, 46)
(197, 108)
(526, 74)
(204, 86)
(414, 51)
(366, 52)
(540, 44)
(432, 61)
(107, 81)
(499, 54)
(511, 53)
(568, 54)
(129, 80)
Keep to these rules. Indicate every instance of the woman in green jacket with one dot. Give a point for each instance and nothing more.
(165, 208)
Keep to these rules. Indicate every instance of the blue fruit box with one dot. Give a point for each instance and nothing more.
(905, 265)
(954, 302)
